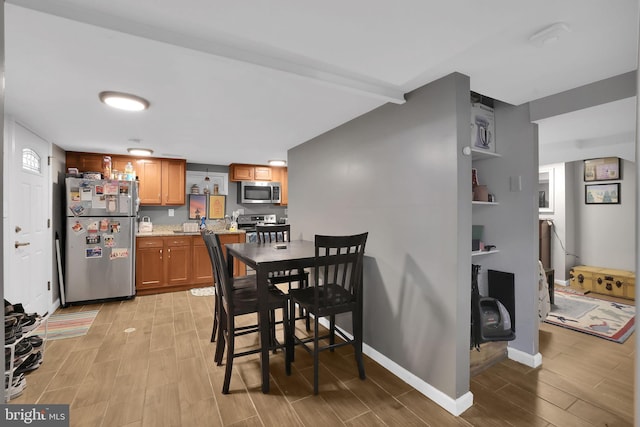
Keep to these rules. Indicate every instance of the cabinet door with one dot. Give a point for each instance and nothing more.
(149, 263)
(280, 175)
(241, 172)
(262, 173)
(202, 272)
(178, 260)
(150, 173)
(239, 268)
(118, 163)
(173, 182)
(85, 162)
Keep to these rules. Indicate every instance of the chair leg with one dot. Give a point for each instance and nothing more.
(230, 351)
(292, 328)
(222, 338)
(357, 342)
(332, 332)
(272, 330)
(288, 339)
(215, 319)
(315, 355)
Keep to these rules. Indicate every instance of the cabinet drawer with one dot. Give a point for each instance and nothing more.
(178, 241)
(149, 242)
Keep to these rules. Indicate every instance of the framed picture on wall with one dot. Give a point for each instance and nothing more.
(216, 207)
(602, 194)
(197, 206)
(604, 169)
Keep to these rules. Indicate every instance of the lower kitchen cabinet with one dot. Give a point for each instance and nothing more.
(174, 263)
(162, 263)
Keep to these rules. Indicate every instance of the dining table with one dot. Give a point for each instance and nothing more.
(265, 258)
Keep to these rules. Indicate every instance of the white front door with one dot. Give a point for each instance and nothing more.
(28, 238)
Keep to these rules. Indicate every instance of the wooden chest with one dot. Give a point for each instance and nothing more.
(617, 283)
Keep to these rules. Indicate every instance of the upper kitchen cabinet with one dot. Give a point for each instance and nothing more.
(241, 172)
(281, 175)
(162, 181)
(84, 162)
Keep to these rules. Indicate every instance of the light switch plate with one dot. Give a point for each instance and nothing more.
(515, 183)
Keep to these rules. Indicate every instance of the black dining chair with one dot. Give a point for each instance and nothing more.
(240, 282)
(337, 270)
(235, 301)
(282, 234)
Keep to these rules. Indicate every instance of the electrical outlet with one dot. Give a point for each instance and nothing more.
(172, 212)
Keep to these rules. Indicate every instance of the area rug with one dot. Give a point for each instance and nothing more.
(612, 321)
(68, 325)
(203, 292)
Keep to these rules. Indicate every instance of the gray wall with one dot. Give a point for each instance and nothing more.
(605, 234)
(160, 214)
(397, 172)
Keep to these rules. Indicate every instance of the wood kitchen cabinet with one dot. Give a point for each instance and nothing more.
(175, 263)
(162, 181)
(241, 172)
(149, 262)
(202, 272)
(162, 263)
(239, 268)
(281, 175)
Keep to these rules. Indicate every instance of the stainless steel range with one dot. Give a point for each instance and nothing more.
(248, 223)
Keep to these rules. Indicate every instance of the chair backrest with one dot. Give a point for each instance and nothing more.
(338, 262)
(273, 233)
(223, 282)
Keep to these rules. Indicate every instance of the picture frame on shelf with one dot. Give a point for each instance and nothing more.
(602, 169)
(602, 194)
(197, 206)
(217, 207)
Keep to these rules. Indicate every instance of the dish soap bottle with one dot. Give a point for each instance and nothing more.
(203, 224)
(128, 170)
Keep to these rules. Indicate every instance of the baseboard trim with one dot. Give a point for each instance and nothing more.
(530, 360)
(453, 406)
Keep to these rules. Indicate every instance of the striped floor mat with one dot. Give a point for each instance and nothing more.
(68, 325)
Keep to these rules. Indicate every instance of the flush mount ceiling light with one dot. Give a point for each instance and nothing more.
(123, 101)
(550, 34)
(277, 162)
(140, 151)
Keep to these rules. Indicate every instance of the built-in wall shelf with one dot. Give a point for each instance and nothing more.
(480, 253)
(479, 154)
(475, 202)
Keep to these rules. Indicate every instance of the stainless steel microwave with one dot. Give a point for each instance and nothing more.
(258, 192)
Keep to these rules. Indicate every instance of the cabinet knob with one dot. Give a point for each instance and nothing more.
(609, 287)
(599, 280)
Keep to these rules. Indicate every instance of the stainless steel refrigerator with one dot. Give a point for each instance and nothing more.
(100, 239)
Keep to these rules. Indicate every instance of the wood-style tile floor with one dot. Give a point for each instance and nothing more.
(162, 374)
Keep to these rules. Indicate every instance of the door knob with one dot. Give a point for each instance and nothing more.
(18, 244)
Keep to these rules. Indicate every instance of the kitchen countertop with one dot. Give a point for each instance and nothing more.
(176, 230)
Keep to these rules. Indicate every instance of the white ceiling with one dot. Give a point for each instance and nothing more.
(245, 81)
